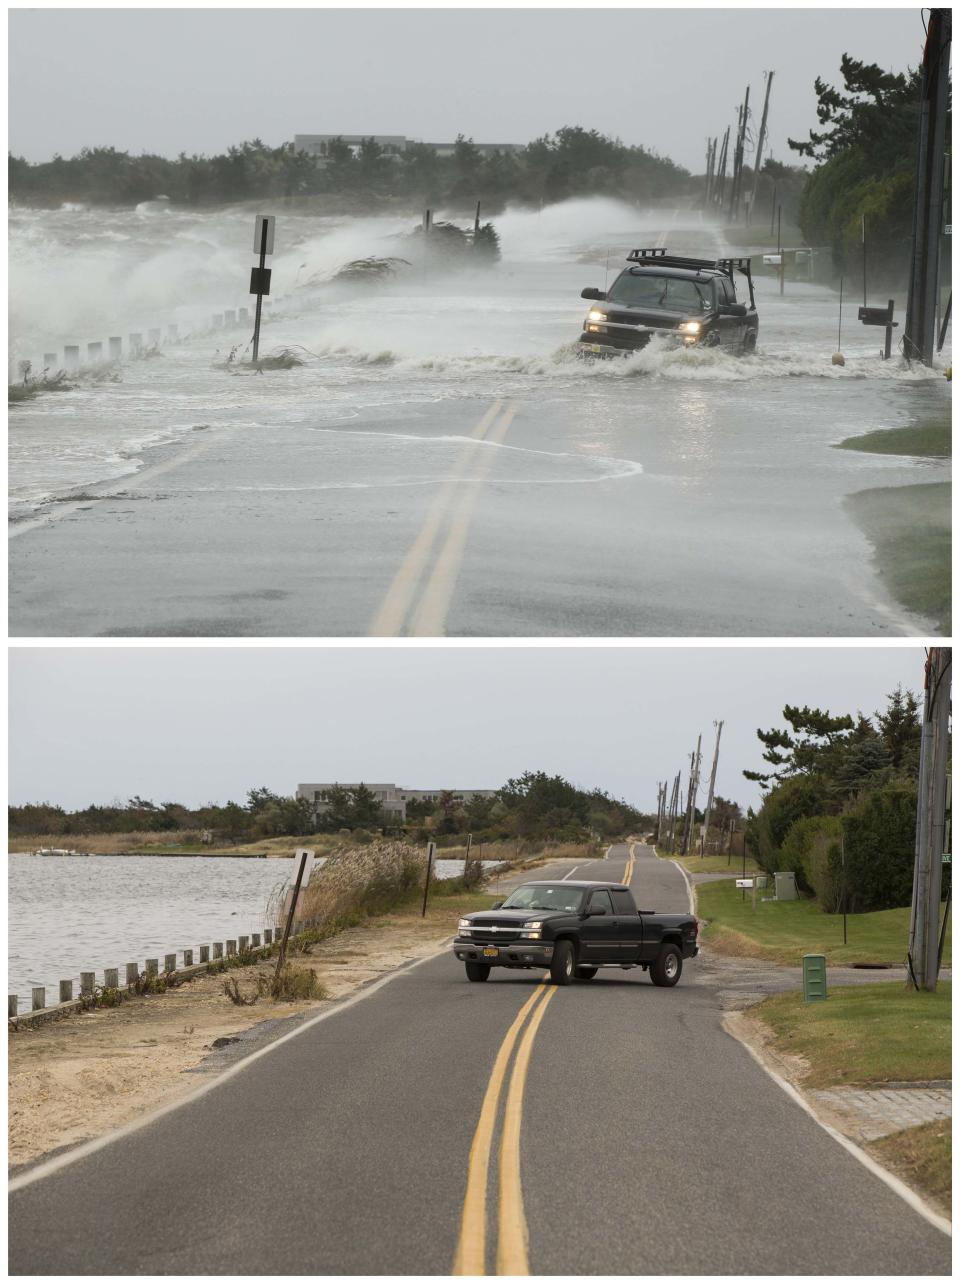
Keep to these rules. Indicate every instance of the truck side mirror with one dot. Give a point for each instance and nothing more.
(592, 293)
(594, 910)
(733, 309)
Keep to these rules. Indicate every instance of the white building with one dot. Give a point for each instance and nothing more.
(392, 798)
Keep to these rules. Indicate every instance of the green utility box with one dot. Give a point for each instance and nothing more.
(814, 977)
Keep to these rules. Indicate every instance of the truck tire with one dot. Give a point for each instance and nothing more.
(586, 973)
(477, 971)
(562, 964)
(749, 343)
(667, 966)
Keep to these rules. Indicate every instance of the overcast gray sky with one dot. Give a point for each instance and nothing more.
(206, 724)
(197, 80)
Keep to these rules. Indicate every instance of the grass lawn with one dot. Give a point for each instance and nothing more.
(865, 1033)
(922, 1157)
(930, 440)
(711, 864)
(784, 931)
(909, 528)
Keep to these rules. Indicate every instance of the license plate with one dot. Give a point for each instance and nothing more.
(594, 347)
(489, 951)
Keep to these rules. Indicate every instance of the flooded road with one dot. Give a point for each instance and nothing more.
(442, 463)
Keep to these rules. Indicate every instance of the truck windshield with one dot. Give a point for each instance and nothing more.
(548, 896)
(667, 293)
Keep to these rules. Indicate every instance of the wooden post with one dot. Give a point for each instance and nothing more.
(111, 978)
(281, 957)
(255, 940)
(11, 1005)
(244, 944)
(38, 998)
(169, 962)
(66, 991)
(268, 936)
(218, 950)
(204, 953)
(188, 958)
(153, 967)
(87, 982)
(780, 245)
(133, 973)
(231, 948)
(431, 849)
(888, 334)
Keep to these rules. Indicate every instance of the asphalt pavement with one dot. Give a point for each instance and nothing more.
(649, 1142)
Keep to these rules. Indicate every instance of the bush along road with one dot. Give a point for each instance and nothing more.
(431, 1126)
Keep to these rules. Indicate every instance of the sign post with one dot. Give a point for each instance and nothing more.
(305, 856)
(431, 852)
(263, 232)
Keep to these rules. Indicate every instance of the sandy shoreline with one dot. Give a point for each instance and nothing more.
(84, 1076)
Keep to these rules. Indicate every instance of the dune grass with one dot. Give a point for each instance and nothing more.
(865, 1033)
(783, 931)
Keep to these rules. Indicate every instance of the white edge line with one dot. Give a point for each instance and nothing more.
(690, 892)
(570, 875)
(48, 1168)
(896, 1185)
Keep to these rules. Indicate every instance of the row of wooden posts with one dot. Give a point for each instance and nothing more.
(111, 975)
(137, 342)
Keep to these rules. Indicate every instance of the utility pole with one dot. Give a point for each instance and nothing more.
(931, 816)
(713, 781)
(673, 810)
(738, 158)
(692, 797)
(761, 140)
(722, 173)
(920, 328)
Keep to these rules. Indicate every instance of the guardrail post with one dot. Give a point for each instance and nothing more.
(244, 944)
(231, 948)
(153, 338)
(49, 361)
(11, 1006)
(255, 940)
(38, 998)
(94, 352)
(169, 962)
(136, 344)
(218, 949)
(243, 316)
(133, 973)
(111, 978)
(268, 936)
(87, 982)
(71, 356)
(66, 991)
(153, 967)
(115, 347)
(230, 319)
(188, 958)
(204, 953)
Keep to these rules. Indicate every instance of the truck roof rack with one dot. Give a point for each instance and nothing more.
(657, 257)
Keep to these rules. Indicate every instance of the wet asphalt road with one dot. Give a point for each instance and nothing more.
(652, 1143)
(586, 513)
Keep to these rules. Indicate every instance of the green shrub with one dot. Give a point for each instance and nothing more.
(879, 835)
(297, 983)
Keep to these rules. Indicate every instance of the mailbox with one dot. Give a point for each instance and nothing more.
(874, 316)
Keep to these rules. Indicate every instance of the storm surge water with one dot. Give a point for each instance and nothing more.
(424, 335)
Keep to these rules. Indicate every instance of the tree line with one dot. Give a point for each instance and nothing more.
(533, 806)
(571, 162)
(840, 801)
(865, 176)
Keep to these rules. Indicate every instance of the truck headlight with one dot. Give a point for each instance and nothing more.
(464, 925)
(594, 315)
(532, 930)
(690, 327)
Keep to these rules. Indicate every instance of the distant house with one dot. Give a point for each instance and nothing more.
(392, 798)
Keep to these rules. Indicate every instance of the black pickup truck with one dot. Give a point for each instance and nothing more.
(687, 302)
(574, 929)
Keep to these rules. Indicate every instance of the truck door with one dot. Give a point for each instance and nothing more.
(598, 934)
(628, 925)
(731, 328)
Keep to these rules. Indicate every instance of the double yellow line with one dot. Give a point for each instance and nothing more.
(628, 872)
(512, 1251)
(453, 508)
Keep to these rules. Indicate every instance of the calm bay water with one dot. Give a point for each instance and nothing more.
(69, 914)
